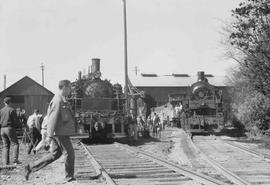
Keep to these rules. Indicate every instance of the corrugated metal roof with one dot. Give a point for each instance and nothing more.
(171, 81)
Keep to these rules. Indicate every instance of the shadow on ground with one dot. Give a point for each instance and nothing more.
(231, 132)
(140, 141)
(124, 140)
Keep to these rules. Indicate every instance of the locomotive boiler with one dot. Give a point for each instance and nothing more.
(97, 105)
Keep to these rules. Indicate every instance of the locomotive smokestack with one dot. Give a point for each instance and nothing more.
(201, 76)
(95, 67)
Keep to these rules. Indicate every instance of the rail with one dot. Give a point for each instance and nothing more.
(182, 170)
(98, 168)
(227, 173)
(265, 157)
(188, 173)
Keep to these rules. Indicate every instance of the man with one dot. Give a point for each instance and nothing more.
(178, 108)
(60, 127)
(34, 129)
(22, 118)
(141, 124)
(133, 130)
(42, 143)
(156, 122)
(8, 122)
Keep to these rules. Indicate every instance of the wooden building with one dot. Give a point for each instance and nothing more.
(27, 94)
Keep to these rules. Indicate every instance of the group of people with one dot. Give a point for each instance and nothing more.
(54, 131)
(152, 126)
(156, 125)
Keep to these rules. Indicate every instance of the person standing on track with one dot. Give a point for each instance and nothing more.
(60, 127)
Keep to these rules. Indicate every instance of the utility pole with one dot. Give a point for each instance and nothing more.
(5, 81)
(42, 71)
(126, 58)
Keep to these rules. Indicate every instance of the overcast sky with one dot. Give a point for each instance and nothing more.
(164, 37)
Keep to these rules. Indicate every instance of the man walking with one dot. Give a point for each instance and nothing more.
(60, 127)
(8, 122)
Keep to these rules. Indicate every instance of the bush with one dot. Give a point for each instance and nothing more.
(237, 124)
(254, 111)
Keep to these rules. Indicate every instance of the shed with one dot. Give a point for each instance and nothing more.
(27, 94)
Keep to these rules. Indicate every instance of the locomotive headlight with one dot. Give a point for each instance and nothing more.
(201, 94)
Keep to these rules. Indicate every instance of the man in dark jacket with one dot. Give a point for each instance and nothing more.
(8, 120)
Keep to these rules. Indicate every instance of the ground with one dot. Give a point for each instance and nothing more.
(169, 146)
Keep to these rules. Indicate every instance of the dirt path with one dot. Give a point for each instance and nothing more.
(50, 175)
(172, 146)
(54, 173)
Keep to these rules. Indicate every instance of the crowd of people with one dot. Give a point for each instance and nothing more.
(51, 132)
(151, 127)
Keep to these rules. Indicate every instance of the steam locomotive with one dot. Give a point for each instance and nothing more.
(202, 109)
(97, 105)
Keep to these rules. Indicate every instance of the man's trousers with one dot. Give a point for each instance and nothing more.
(8, 135)
(60, 145)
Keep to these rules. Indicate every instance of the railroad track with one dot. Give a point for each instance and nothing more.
(252, 151)
(239, 164)
(121, 164)
(84, 170)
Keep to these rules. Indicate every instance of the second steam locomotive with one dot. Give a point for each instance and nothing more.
(200, 110)
(204, 109)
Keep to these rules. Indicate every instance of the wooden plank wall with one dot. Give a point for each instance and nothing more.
(36, 102)
(32, 102)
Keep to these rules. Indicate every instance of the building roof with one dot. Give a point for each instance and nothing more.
(174, 80)
(26, 86)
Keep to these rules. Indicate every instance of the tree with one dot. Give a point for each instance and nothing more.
(250, 39)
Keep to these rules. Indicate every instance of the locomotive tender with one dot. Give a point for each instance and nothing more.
(97, 105)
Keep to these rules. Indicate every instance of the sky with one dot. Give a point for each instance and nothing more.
(164, 37)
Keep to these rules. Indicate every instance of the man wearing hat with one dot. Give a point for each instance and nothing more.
(8, 119)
